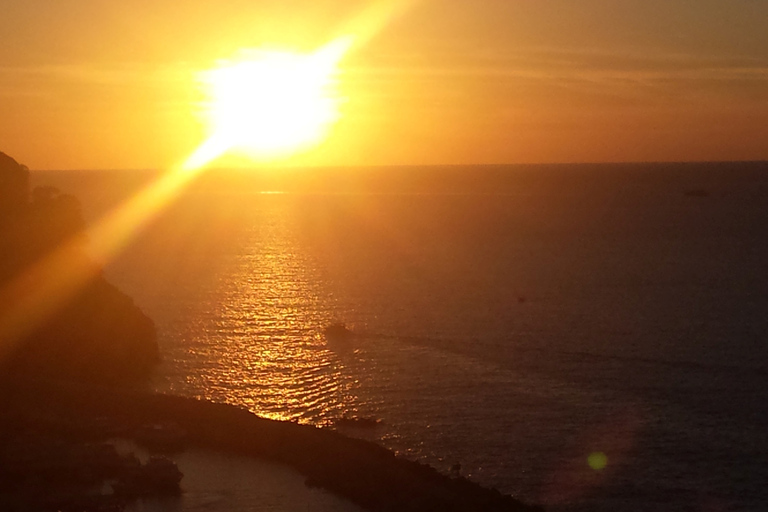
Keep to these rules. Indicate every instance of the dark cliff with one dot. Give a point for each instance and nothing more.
(98, 334)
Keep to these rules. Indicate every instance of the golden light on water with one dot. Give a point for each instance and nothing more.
(259, 330)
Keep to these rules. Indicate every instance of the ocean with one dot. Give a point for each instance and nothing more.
(587, 337)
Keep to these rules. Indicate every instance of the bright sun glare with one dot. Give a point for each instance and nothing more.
(272, 103)
(267, 104)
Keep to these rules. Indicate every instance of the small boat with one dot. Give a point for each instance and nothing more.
(338, 332)
(356, 421)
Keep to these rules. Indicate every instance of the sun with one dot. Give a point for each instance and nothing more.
(269, 103)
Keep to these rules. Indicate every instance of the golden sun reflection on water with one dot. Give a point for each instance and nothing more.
(259, 345)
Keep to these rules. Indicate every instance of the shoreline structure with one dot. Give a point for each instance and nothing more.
(363, 472)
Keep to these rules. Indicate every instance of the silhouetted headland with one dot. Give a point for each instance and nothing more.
(98, 334)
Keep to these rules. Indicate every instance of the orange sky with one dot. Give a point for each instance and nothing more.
(110, 83)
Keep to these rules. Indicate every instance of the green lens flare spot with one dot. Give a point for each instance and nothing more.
(597, 461)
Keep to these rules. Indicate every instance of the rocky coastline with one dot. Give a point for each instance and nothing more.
(360, 471)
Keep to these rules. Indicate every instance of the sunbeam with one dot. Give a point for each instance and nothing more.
(270, 105)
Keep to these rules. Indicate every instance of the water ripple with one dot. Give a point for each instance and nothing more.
(258, 344)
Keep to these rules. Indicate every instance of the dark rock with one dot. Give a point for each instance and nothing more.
(97, 333)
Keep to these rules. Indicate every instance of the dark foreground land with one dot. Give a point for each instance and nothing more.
(360, 471)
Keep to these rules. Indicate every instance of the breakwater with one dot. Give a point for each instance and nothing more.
(363, 472)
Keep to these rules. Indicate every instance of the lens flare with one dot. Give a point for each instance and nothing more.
(597, 461)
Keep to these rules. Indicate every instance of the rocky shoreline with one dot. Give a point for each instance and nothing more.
(363, 472)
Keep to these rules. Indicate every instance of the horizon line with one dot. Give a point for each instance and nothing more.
(415, 166)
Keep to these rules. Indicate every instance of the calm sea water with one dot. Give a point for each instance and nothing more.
(520, 321)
